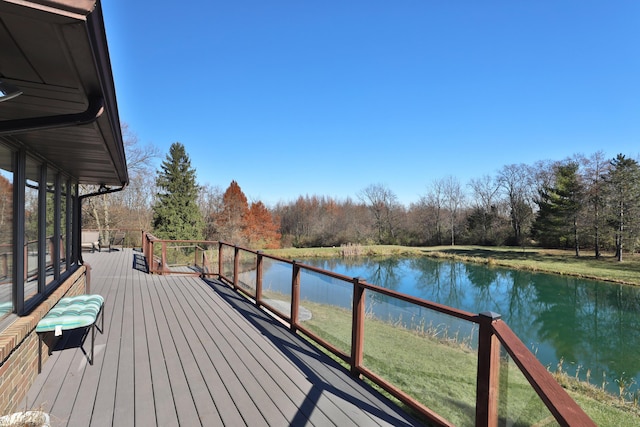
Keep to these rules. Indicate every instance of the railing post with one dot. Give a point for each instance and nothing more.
(143, 245)
(151, 258)
(146, 250)
(5, 264)
(220, 262)
(259, 263)
(164, 256)
(357, 327)
(295, 295)
(487, 386)
(236, 265)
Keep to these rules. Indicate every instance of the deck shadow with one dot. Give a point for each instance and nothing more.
(71, 339)
(317, 366)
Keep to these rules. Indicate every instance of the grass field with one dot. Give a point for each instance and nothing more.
(441, 374)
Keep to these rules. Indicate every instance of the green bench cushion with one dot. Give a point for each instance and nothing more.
(71, 313)
(6, 307)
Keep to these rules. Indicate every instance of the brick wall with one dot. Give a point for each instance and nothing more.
(19, 346)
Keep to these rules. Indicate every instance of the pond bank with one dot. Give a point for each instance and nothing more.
(554, 261)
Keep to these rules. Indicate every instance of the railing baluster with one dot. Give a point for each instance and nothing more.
(488, 372)
(220, 262)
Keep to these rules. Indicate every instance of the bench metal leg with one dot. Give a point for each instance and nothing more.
(39, 353)
(93, 332)
(93, 339)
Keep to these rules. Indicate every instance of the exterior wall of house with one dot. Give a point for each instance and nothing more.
(19, 345)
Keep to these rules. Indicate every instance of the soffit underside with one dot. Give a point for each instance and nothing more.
(52, 59)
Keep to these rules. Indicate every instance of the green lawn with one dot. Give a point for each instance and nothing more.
(441, 374)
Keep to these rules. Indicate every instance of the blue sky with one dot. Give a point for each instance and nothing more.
(296, 97)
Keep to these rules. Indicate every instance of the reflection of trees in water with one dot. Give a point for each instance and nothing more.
(520, 305)
(484, 280)
(385, 273)
(441, 281)
(595, 324)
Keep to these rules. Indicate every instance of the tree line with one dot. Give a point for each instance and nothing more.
(579, 203)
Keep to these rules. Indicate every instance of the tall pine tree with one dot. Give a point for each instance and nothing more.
(560, 206)
(623, 194)
(175, 213)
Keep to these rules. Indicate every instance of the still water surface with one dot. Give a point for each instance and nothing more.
(587, 324)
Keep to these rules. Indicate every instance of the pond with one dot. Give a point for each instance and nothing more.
(591, 327)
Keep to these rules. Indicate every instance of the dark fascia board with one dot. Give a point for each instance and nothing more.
(59, 7)
(98, 38)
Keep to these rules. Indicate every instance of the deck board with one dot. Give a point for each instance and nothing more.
(180, 350)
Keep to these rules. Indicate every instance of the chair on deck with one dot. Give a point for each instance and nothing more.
(117, 240)
(91, 240)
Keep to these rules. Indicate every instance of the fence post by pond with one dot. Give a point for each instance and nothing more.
(357, 327)
(236, 265)
(295, 295)
(163, 267)
(259, 263)
(220, 262)
(488, 371)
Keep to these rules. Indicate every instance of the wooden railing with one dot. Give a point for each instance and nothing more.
(197, 263)
(132, 237)
(492, 333)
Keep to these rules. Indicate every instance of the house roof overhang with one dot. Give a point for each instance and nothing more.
(56, 52)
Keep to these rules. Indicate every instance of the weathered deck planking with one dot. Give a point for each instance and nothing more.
(179, 350)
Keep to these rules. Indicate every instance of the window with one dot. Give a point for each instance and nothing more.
(6, 232)
(31, 227)
(36, 223)
(52, 210)
(64, 227)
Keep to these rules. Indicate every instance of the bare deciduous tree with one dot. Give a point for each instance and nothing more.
(130, 208)
(453, 200)
(595, 167)
(383, 205)
(517, 185)
(432, 204)
(485, 193)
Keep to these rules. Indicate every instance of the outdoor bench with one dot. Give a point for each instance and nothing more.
(71, 313)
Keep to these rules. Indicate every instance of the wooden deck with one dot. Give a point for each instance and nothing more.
(183, 351)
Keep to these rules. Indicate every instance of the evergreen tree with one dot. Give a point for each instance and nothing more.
(623, 194)
(559, 206)
(175, 213)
